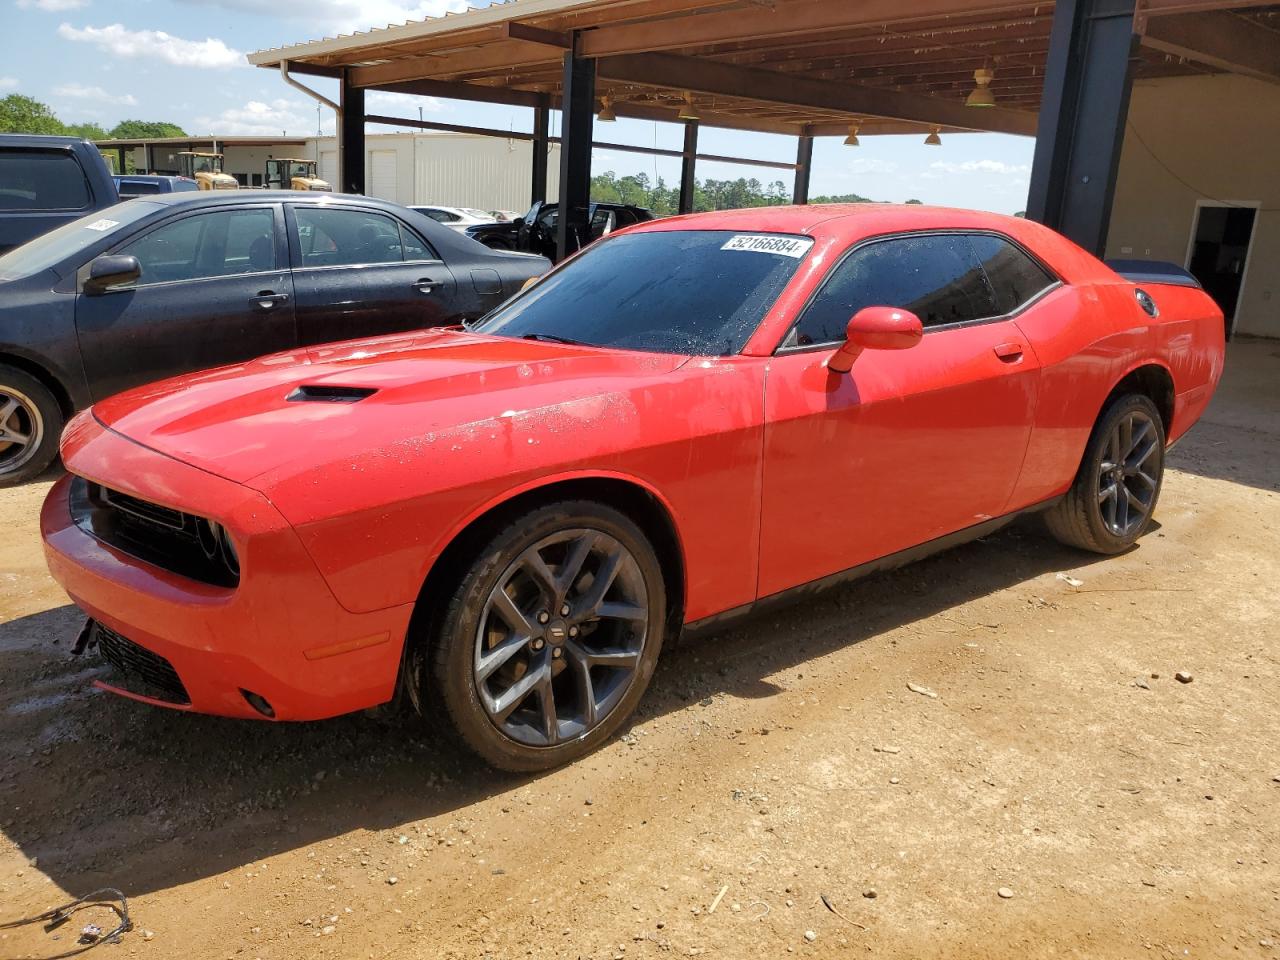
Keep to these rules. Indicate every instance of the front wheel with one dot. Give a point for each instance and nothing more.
(551, 637)
(1109, 505)
(30, 423)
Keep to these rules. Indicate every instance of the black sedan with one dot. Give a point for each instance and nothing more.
(179, 282)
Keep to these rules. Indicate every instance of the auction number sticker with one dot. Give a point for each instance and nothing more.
(795, 247)
(102, 225)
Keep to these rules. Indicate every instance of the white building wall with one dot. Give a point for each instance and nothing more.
(1207, 138)
(449, 169)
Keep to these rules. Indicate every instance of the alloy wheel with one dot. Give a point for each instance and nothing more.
(561, 636)
(21, 429)
(1127, 482)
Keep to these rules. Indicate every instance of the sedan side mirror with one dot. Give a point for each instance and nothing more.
(876, 328)
(110, 271)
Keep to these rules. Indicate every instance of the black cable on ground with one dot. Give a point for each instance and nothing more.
(108, 897)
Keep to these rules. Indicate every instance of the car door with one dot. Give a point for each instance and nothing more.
(360, 272)
(215, 288)
(910, 445)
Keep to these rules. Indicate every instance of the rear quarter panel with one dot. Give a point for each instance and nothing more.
(1088, 337)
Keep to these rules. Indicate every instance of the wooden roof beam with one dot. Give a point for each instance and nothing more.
(790, 20)
(1219, 39)
(766, 86)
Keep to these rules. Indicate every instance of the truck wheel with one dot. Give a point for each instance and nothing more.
(551, 637)
(30, 424)
(1114, 494)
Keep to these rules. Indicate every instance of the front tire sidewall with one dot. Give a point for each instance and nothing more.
(452, 679)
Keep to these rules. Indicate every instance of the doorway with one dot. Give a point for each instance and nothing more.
(1218, 256)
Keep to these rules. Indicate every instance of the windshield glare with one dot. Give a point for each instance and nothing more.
(700, 292)
(53, 247)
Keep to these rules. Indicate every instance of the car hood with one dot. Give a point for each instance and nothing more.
(341, 401)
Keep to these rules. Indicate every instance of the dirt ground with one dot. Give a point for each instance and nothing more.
(1129, 815)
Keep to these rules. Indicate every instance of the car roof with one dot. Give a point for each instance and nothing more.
(825, 218)
(37, 140)
(216, 198)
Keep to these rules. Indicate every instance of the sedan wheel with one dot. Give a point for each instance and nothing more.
(561, 637)
(1115, 491)
(1126, 491)
(30, 422)
(551, 637)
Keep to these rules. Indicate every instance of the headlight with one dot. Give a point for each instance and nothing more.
(216, 543)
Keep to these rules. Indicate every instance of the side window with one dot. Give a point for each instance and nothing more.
(935, 276)
(1015, 278)
(41, 180)
(330, 237)
(414, 247)
(217, 244)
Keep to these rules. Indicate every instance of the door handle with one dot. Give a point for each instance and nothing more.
(268, 299)
(1009, 352)
(425, 285)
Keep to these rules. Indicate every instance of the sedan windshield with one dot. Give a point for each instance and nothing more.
(57, 245)
(673, 291)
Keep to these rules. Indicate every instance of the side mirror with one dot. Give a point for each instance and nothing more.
(876, 328)
(111, 271)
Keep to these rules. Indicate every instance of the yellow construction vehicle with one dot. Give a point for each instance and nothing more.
(206, 170)
(289, 173)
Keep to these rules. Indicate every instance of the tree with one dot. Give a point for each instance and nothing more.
(19, 114)
(86, 131)
(145, 130)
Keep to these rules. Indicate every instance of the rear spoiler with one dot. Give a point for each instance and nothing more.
(1153, 271)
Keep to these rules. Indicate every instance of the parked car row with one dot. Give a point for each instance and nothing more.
(175, 282)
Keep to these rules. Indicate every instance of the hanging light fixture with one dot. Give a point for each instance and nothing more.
(852, 139)
(606, 114)
(688, 111)
(933, 140)
(981, 95)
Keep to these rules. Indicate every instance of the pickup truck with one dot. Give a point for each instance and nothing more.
(46, 182)
(535, 232)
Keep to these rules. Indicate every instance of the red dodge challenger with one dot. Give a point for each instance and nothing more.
(689, 420)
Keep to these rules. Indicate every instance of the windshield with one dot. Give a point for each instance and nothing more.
(55, 246)
(673, 291)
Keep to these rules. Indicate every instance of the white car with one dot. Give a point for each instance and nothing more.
(456, 218)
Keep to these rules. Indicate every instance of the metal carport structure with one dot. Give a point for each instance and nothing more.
(806, 68)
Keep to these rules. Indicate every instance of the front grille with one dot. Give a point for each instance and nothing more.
(155, 534)
(142, 671)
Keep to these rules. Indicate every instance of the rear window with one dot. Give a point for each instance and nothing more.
(42, 180)
(675, 291)
(138, 187)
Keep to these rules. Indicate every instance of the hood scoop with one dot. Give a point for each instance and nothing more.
(329, 393)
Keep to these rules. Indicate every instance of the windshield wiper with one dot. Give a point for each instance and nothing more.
(552, 338)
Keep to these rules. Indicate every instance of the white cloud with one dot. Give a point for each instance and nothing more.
(52, 6)
(400, 104)
(257, 118)
(81, 92)
(871, 165)
(344, 16)
(156, 45)
(982, 166)
(8, 83)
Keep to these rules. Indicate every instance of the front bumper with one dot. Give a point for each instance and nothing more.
(280, 634)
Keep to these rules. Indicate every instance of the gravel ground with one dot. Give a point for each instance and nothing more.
(1062, 795)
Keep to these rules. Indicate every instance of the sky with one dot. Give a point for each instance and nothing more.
(184, 61)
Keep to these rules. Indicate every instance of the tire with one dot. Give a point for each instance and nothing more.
(1114, 495)
(591, 664)
(30, 424)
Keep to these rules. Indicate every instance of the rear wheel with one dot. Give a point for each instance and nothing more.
(552, 636)
(30, 424)
(1109, 505)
